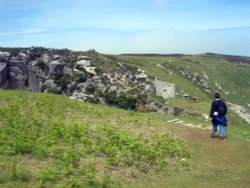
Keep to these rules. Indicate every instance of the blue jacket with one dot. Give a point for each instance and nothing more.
(219, 119)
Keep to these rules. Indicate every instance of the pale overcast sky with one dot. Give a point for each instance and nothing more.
(128, 26)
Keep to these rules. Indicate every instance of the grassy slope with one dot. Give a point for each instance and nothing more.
(213, 162)
(230, 77)
(149, 65)
(49, 140)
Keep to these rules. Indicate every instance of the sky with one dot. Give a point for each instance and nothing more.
(128, 26)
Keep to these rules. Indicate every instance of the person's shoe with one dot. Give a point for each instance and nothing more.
(221, 137)
(213, 135)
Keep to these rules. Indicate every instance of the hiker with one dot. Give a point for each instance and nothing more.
(217, 116)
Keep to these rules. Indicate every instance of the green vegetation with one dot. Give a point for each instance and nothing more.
(122, 101)
(49, 140)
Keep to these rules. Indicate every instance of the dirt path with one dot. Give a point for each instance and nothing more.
(213, 163)
(180, 122)
(220, 162)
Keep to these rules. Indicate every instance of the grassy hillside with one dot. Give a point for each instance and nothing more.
(232, 80)
(51, 141)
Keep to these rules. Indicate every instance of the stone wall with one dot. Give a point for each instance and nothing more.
(164, 89)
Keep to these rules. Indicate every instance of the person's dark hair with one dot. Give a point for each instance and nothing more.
(217, 95)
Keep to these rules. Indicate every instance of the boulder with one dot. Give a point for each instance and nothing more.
(86, 65)
(91, 70)
(18, 78)
(81, 86)
(34, 83)
(82, 57)
(67, 71)
(45, 58)
(79, 96)
(56, 56)
(3, 73)
(55, 67)
(83, 63)
(78, 72)
(4, 56)
(50, 85)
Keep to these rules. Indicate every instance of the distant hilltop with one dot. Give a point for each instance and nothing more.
(232, 58)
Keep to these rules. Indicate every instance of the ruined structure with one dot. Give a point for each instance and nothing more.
(164, 89)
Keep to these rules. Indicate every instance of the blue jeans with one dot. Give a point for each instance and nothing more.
(221, 127)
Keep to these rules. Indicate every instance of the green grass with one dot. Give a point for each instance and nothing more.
(199, 106)
(50, 140)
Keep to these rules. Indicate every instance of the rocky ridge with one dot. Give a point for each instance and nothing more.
(86, 76)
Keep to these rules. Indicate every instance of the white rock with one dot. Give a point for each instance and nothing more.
(4, 53)
(84, 63)
(83, 57)
(91, 70)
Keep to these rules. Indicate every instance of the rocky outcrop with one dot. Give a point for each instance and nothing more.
(80, 75)
(241, 111)
(196, 78)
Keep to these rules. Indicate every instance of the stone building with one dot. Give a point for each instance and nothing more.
(164, 89)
